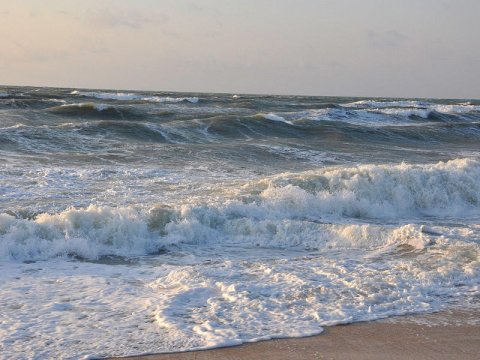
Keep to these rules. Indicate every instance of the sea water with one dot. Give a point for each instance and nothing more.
(135, 222)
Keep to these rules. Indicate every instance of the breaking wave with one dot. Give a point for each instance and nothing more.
(409, 108)
(322, 209)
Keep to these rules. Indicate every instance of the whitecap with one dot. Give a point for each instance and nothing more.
(134, 96)
(275, 117)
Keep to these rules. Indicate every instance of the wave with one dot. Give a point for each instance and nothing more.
(12, 103)
(353, 116)
(385, 124)
(121, 129)
(330, 208)
(426, 112)
(410, 107)
(135, 97)
(88, 233)
(456, 109)
(115, 129)
(387, 104)
(96, 231)
(96, 110)
(381, 191)
(273, 117)
(91, 124)
(4, 95)
(404, 112)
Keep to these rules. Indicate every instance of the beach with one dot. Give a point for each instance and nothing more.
(444, 335)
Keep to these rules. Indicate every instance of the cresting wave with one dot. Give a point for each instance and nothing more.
(85, 106)
(412, 104)
(96, 110)
(323, 209)
(411, 108)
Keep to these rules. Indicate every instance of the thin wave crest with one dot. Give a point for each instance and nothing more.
(97, 110)
(120, 96)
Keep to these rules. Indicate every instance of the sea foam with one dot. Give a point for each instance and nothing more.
(316, 209)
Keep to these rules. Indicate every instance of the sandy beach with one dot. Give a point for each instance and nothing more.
(445, 335)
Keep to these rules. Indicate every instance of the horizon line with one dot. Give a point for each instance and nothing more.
(236, 93)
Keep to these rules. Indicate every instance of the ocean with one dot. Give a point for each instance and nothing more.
(140, 222)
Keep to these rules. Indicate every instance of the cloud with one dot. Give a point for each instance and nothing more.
(129, 18)
(22, 53)
(194, 7)
(388, 39)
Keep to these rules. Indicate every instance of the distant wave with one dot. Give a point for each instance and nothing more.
(390, 116)
(410, 107)
(132, 97)
(404, 112)
(274, 117)
(89, 109)
(386, 104)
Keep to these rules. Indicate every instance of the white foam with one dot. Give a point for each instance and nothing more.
(107, 96)
(456, 109)
(182, 303)
(280, 256)
(383, 115)
(169, 99)
(134, 96)
(364, 117)
(275, 117)
(409, 108)
(101, 107)
(382, 191)
(288, 210)
(387, 104)
(423, 113)
(87, 233)
(98, 231)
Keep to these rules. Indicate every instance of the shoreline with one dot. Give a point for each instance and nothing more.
(450, 334)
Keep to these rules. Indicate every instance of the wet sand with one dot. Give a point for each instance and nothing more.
(445, 335)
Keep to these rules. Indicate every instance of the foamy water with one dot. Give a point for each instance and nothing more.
(156, 222)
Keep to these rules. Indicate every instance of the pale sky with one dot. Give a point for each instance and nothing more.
(397, 48)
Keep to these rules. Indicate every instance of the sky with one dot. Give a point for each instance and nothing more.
(385, 48)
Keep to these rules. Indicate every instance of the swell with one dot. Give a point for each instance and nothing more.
(10, 103)
(111, 123)
(43, 116)
(338, 207)
(95, 110)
